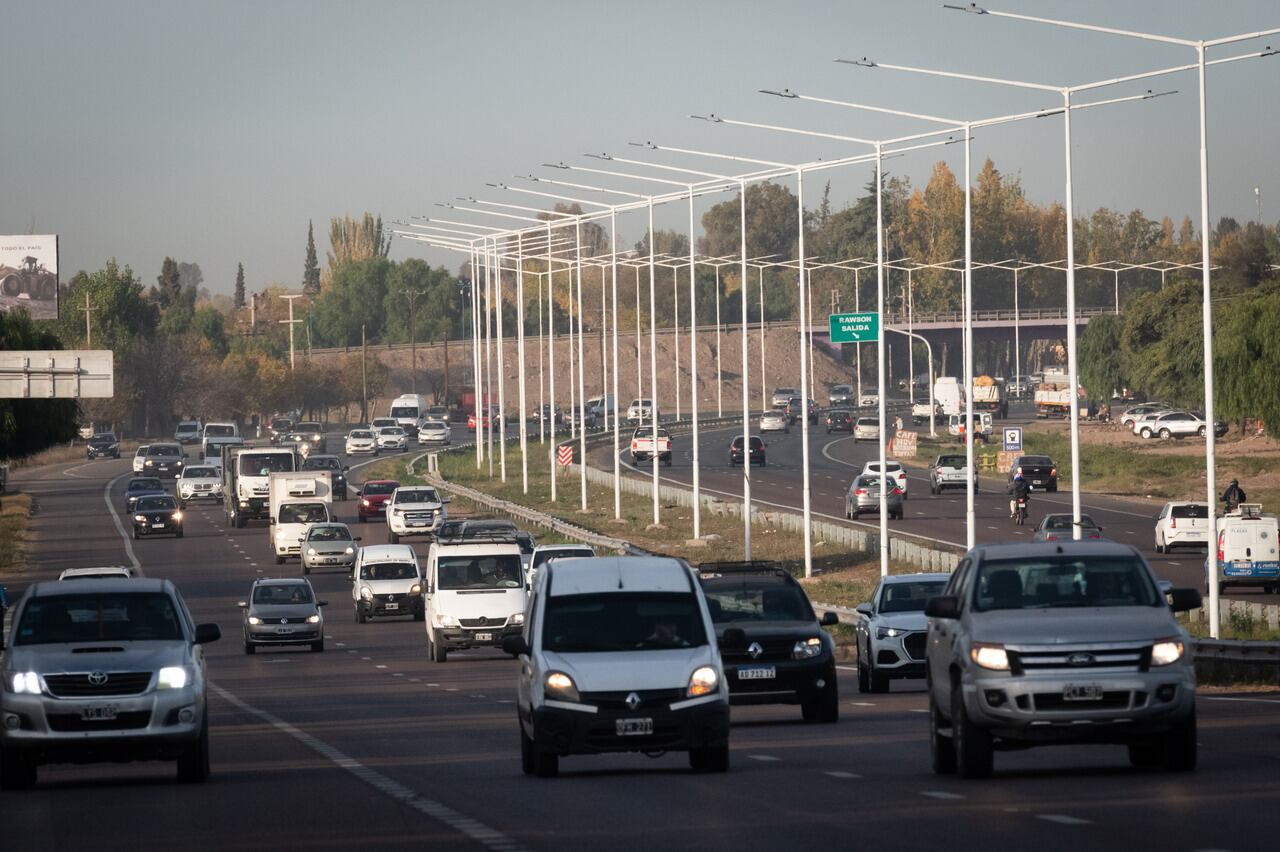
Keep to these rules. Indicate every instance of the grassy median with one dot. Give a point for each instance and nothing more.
(15, 512)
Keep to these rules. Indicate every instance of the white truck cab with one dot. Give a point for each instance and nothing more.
(1247, 549)
(297, 499)
(475, 591)
(415, 510)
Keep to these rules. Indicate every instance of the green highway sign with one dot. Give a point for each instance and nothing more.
(855, 328)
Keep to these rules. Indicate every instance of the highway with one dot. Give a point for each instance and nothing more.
(834, 460)
(370, 744)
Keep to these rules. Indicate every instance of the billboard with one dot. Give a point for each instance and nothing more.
(29, 274)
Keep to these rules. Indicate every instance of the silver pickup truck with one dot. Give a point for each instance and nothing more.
(1073, 642)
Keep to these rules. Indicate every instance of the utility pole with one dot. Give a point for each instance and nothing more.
(88, 328)
(253, 314)
(411, 296)
(291, 322)
(364, 379)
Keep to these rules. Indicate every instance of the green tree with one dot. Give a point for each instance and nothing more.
(355, 297)
(119, 308)
(239, 297)
(311, 267)
(1100, 356)
(168, 284)
(30, 425)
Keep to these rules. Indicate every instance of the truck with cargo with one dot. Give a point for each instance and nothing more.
(989, 395)
(1247, 549)
(296, 499)
(1053, 400)
(246, 475)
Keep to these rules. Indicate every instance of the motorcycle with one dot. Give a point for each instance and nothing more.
(1020, 511)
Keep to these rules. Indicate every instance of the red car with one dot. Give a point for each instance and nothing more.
(373, 498)
(471, 419)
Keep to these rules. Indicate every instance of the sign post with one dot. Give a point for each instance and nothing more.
(863, 327)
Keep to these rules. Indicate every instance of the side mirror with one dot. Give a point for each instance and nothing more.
(243, 604)
(516, 646)
(346, 470)
(1181, 600)
(943, 606)
(359, 493)
(865, 608)
(322, 603)
(1165, 586)
(302, 539)
(447, 500)
(358, 538)
(735, 639)
(829, 619)
(206, 633)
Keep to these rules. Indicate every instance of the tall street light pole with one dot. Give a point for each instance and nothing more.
(291, 322)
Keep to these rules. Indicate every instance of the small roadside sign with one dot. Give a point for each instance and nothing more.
(565, 454)
(855, 328)
(904, 444)
(1013, 439)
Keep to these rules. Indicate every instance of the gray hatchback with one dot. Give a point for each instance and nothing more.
(864, 496)
(283, 611)
(328, 546)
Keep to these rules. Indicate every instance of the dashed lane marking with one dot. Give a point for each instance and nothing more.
(379, 666)
(863, 703)
(1063, 819)
(841, 774)
(472, 828)
(941, 794)
(766, 758)
(918, 710)
(1225, 698)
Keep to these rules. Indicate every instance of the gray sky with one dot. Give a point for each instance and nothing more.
(213, 131)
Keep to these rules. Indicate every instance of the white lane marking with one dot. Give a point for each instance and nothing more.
(940, 794)
(378, 665)
(438, 811)
(1063, 819)
(115, 516)
(68, 472)
(450, 689)
(1249, 700)
(433, 684)
(993, 528)
(863, 703)
(1130, 532)
(767, 758)
(1176, 563)
(848, 668)
(919, 513)
(839, 774)
(918, 710)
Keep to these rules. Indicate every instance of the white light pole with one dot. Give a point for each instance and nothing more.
(291, 322)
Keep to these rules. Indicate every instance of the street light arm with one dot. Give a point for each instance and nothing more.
(787, 93)
(865, 63)
(816, 133)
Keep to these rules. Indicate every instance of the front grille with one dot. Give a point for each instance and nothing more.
(772, 650)
(418, 517)
(301, 619)
(915, 644)
(71, 722)
(617, 701)
(483, 622)
(79, 685)
(403, 600)
(1132, 658)
(1111, 700)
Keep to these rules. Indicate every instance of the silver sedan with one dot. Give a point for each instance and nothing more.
(328, 546)
(775, 420)
(864, 496)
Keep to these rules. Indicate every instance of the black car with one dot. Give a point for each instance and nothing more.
(1040, 472)
(757, 450)
(141, 486)
(157, 514)
(839, 421)
(164, 460)
(280, 426)
(103, 445)
(337, 472)
(781, 655)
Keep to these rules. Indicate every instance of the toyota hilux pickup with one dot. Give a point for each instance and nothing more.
(1071, 643)
(415, 510)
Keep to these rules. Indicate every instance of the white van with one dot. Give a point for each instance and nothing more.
(219, 430)
(474, 592)
(619, 654)
(410, 412)
(1247, 549)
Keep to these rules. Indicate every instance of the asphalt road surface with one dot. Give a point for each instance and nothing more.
(835, 459)
(371, 745)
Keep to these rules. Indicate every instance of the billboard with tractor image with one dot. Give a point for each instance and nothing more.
(29, 274)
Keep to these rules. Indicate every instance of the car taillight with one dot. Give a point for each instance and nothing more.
(861, 492)
(897, 491)
(1053, 471)
(633, 445)
(1050, 537)
(1222, 555)
(939, 471)
(1173, 523)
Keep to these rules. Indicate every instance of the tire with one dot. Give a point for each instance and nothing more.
(135, 534)
(528, 751)
(193, 765)
(1179, 746)
(1145, 755)
(1200, 432)
(250, 648)
(181, 532)
(709, 759)
(17, 772)
(394, 539)
(361, 618)
(306, 569)
(1145, 433)
(317, 647)
(439, 654)
(240, 521)
(1160, 548)
(942, 751)
(279, 559)
(972, 745)
(824, 710)
(876, 683)
(1165, 434)
(864, 676)
(420, 615)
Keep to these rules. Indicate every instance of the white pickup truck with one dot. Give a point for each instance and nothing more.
(923, 412)
(642, 449)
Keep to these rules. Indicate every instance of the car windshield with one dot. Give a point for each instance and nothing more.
(103, 617)
(199, 473)
(1190, 510)
(188, 427)
(1036, 460)
(316, 463)
(952, 461)
(219, 430)
(302, 513)
(734, 599)
(490, 571)
(542, 557)
(909, 597)
(266, 463)
(437, 410)
(867, 482)
(1059, 523)
(405, 411)
(164, 450)
(152, 504)
(105, 438)
(622, 621)
(327, 533)
(389, 571)
(868, 421)
(282, 594)
(280, 424)
(379, 422)
(145, 485)
(142, 451)
(361, 435)
(1064, 581)
(379, 488)
(392, 430)
(417, 495)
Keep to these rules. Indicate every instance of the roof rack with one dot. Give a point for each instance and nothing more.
(753, 566)
(475, 530)
(1250, 510)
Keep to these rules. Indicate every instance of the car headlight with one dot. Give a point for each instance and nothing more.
(313, 619)
(140, 518)
(315, 437)
(171, 677)
(415, 589)
(703, 681)
(311, 551)
(442, 620)
(991, 657)
(807, 649)
(366, 593)
(253, 619)
(24, 682)
(177, 516)
(364, 503)
(350, 550)
(560, 685)
(397, 512)
(518, 618)
(889, 632)
(1166, 651)
(149, 462)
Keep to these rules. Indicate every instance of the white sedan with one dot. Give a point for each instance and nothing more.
(361, 441)
(894, 469)
(392, 438)
(433, 432)
(869, 400)
(140, 458)
(866, 429)
(774, 420)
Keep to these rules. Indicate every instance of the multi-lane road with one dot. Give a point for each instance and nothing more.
(370, 744)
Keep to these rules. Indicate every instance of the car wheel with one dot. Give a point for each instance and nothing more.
(250, 648)
(317, 646)
(306, 569)
(941, 749)
(420, 615)
(1200, 431)
(240, 521)
(1179, 746)
(395, 539)
(973, 752)
(709, 759)
(439, 653)
(135, 534)
(528, 751)
(876, 682)
(1160, 548)
(1146, 433)
(361, 618)
(193, 765)
(1165, 434)
(824, 709)
(17, 771)
(864, 678)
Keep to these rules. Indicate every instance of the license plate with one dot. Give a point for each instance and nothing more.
(417, 523)
(758, 673)
(1090, 692)
(484, 637)
(98, 713)
(157, 526)
(633, 727)
(284, 630)
(393, 606)
(1037, 482)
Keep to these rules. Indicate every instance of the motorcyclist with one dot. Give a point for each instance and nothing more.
(1021, 491)
(1233, 496)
